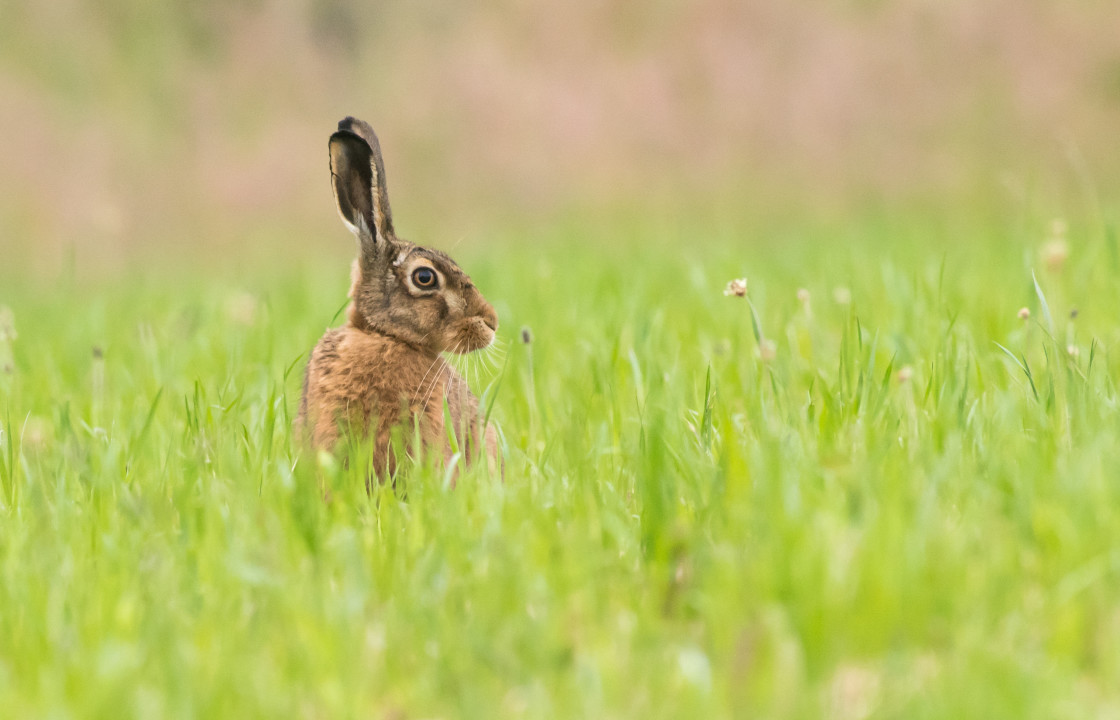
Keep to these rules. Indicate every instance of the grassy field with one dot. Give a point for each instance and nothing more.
(868, 489)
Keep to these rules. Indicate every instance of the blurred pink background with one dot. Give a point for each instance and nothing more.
(129, 128)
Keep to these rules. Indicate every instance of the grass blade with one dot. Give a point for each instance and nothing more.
(1022, 366)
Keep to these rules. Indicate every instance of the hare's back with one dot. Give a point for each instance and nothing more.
(323, 363)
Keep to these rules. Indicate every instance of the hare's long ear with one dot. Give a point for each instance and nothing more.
(358, 181)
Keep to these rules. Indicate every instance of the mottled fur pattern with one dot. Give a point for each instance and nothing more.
(384, 368)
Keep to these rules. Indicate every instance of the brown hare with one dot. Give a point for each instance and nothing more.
(408, 304)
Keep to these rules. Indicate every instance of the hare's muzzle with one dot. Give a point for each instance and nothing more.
(489, 316)
(478, 331)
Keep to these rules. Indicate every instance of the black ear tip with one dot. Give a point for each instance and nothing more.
(347, 135)
(360, 128)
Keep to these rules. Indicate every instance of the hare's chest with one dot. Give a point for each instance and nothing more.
(386, 375)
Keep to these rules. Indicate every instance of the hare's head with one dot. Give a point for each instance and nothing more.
(414, 294)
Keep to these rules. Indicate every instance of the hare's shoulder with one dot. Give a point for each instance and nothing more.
(325, 351)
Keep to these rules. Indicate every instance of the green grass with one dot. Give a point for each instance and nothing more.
(909, 511)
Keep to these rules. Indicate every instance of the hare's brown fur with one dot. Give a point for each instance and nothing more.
(384, 368)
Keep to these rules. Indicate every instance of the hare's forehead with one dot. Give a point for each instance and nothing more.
(409, 256)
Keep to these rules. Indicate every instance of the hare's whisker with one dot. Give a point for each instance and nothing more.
(444, 367)
(447, 369)
(416, 392)
(431, 388)
(472, 372)
(493, 359)
(495, 356)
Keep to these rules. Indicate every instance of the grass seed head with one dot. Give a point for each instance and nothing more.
(526, 335)
(1024, 313)
(1074, 351)
(904, 374)
(737, 287)
(842, 295)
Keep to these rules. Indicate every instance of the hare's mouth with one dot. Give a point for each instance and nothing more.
(476, 334)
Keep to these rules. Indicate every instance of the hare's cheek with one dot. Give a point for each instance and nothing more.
(451, 338)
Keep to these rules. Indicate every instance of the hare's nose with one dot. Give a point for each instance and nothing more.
(489, 316)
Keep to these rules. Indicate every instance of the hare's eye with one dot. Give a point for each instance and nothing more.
(424, 277)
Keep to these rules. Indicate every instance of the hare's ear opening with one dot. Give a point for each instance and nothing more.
(358, 180)
(354, 173)
(382, 215)
(351, 180)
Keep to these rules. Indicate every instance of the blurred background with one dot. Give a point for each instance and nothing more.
(134, 132)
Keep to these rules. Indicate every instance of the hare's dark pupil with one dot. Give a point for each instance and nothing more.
(424, 277)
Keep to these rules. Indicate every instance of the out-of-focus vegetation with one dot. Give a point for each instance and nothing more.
(879, 485)
(836, 497)
(137, 128)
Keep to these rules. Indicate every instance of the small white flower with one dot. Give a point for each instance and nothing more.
(842, 295)
(1074, 351)
(904, 374)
